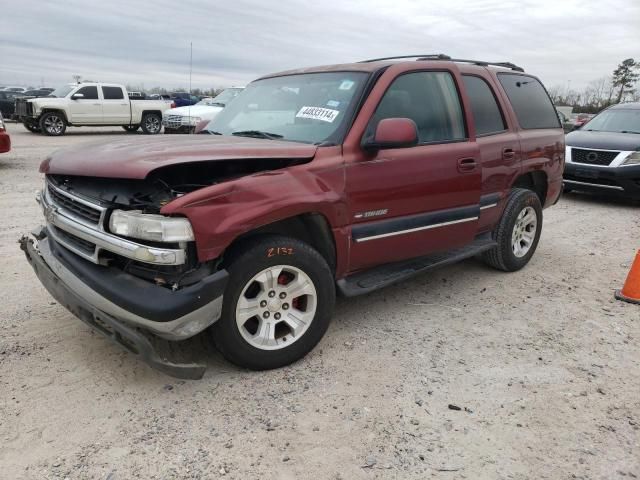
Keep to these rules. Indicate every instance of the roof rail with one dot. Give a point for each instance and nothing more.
(441, 56)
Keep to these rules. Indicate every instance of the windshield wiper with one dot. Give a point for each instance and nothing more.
(257, 134)
(628, 131)
(209, 132)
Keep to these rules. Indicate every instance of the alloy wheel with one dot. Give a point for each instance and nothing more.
(276, 307)
(524, 232)
(53, 124)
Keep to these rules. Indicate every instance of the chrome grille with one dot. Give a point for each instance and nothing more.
(74, 206)
(593, 157)
(70, 240)
(173, 121)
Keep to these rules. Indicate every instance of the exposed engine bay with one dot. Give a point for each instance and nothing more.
(164, 184)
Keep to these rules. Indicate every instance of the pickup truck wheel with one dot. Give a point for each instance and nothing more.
(151, 123)
(518, 232)
(277, 304)
(131, 128)
(32, 127)
(52, 124)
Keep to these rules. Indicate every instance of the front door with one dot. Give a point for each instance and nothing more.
(408, 202)
(88, 109)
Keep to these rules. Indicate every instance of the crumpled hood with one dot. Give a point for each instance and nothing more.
(202, 111)
(136, 157)
(603, 140)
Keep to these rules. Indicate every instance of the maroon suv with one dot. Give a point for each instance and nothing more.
(342, 178)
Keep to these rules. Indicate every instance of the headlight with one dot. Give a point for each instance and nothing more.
(633, 159)
(135, 224)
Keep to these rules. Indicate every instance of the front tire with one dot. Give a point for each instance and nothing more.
(518, 232)
(277, 304)
(151, 123)
(53, 124)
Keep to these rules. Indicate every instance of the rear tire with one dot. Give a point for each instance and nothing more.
(131, 128)
(151, 123)
(53, 124)
(291, 290)
(518, 232)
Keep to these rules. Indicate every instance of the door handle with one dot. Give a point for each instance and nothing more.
(96, 104)
(467, 165)
(508, 154)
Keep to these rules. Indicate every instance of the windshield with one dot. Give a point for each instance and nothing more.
(224, 97)
(309, 108)
(63, 91)
(615, 120)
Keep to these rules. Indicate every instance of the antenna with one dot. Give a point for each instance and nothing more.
(190, 71)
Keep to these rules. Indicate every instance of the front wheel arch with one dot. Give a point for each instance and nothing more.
(311, 228)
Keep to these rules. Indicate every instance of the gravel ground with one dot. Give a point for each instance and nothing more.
(543, 364)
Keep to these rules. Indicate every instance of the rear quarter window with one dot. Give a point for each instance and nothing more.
(530, 101)
(484, 107)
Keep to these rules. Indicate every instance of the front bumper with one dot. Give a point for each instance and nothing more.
(128, 310)
(623, 181)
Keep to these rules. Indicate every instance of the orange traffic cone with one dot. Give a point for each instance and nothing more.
(631, 290)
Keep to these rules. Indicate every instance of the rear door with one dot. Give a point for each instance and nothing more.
(499, 145)
(116, 109)
(86, 110)
(408, 202)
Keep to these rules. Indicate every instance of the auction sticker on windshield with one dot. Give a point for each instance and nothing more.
(318, 113)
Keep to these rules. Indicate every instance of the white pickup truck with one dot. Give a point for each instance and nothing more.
(89, 104)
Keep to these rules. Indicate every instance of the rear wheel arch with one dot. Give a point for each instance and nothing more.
(536, 181)
(145, 112)
(311, 228)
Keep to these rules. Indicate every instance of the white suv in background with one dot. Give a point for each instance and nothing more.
(185, 119)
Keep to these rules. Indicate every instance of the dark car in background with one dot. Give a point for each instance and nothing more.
(183, 99)
(8, 103)
(38, 92)
(604, 155)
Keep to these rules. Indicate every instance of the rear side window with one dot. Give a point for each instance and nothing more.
(484, 107)
(530, 101)
(90, 93)
(112, 93)
(430, 99)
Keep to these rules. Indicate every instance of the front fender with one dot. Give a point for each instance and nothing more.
(40, 105)
(221, 213)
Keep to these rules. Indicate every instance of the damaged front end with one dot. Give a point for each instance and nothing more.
(107, 255)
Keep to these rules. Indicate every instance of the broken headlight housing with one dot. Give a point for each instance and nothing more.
(146, 226)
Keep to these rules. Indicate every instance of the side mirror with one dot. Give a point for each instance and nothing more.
(393, 133)
(77, 96)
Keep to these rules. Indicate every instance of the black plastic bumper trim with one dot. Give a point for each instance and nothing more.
(153, 302)
(129, 338)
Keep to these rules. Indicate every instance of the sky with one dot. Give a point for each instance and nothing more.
(146, 44)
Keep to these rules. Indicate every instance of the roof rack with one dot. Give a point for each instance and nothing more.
(442, 56)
